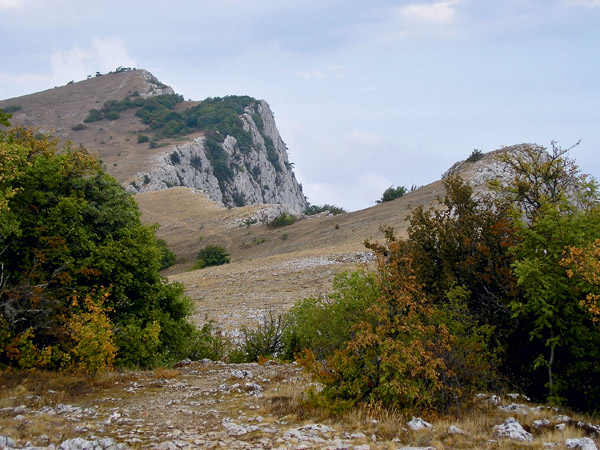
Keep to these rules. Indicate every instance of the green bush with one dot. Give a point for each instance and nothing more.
(11, 109)
(272, 154)
(167, 258)
(196, 162)
(263, 341)
(476, 155)
(142, 138)
(112, 115)
(211, 255)
(174, 157)
(401, 351)
(282, 220)
(207, 342)
(93, 116)
(392, 193)
(325, 324)
(311, 210)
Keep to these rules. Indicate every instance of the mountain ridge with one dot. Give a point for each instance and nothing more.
(230, 172)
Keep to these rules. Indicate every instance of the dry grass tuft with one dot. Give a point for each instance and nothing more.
(163, 373)
(288, 400)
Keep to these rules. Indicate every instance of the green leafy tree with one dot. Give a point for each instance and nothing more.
(465, 243)
(583, 264)
(167, 258)
(550, 303)
(68, 227)
(554, 207)
(4, 118)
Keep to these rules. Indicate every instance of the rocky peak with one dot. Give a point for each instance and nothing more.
(154, 88)
(235, 173)
(488, 167)
(233, 164)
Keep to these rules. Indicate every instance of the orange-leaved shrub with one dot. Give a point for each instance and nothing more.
(406, 353)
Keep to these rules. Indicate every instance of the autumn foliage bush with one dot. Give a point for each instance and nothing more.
(404, 352)
(483, 292)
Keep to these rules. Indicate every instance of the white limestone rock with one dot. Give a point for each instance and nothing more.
(582, 443)
(83, 444)
(255, 179)
(417, 424)
(541, 423)
(455, 430)
(7, 442)
(417, 448)
(512, 429)
(518, 408)
(234, 429)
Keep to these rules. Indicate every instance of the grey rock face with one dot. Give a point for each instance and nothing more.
(258, 177)
(488, 167)
(7, 442)
(582, 443)
(155, 87)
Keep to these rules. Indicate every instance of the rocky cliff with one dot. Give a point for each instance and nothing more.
(260, 173)
(234, 156)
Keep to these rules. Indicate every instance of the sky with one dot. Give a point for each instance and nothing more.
(366, 93)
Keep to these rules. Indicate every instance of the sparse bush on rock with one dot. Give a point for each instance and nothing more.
(312, 210)
(282, 220)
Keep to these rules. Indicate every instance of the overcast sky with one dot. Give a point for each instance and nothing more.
(366, 93)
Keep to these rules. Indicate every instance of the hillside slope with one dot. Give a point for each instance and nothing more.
(271, 269)
(229, 148)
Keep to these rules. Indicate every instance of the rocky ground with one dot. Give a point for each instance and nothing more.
(249, 406)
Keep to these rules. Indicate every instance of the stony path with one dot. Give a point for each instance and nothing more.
(198, 405)
(212, 405)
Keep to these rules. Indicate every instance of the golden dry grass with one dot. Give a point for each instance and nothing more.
(266, 272)
(391, 431)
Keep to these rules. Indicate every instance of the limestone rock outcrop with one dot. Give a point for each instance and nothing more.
(260, 175)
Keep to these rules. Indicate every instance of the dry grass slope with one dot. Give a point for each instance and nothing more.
(59, 109)
(266, 272)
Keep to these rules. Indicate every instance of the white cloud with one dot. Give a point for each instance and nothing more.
(350, 193)
(15, 84)
(11, 4)
(439, 13)
(362, 140)
(323, 72)
(419, 20)
(103, 55)
(588, 3)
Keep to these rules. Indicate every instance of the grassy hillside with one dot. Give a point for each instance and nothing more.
(270, 268)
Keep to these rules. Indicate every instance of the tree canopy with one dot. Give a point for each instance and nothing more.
(79, 283)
